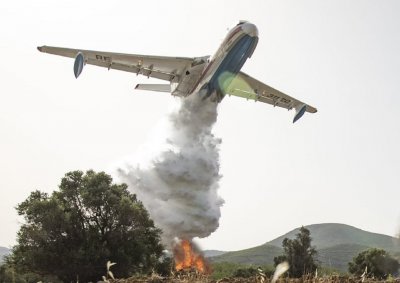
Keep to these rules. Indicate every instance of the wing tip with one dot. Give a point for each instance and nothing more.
(311, 109)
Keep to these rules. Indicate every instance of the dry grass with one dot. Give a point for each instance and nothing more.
(195, 278)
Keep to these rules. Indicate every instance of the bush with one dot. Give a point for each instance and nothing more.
(377, 262)
(230, 269)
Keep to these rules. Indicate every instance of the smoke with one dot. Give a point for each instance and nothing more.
(179, 183)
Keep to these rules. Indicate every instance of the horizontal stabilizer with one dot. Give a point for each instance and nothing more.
(154, 87)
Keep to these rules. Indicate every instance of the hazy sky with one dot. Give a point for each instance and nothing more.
(339, 165)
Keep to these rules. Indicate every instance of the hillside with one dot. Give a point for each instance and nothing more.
(260, 255)
(336, 244)
(3, 252)
(338, 257)
(332, 234)
(211, 253)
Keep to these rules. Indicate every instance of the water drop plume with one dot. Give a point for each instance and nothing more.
(178, 184)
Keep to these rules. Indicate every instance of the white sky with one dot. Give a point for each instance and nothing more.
(339, 165)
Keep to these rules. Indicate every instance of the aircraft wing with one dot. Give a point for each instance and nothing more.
(247, 87)
(160, 67)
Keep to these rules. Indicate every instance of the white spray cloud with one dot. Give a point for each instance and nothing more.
(280, 270)
(178, 185)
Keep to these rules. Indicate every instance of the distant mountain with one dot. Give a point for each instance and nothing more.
(332, 234)
(3, 252)
(338, 257)
(336, 244)
(211, 253)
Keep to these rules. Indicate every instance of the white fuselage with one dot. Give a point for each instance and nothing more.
(205, 78)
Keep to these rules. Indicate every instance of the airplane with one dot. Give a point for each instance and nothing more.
(210, 77)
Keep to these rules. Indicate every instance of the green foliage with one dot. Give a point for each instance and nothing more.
(224, 269)
(8, 274)
(87, 222)
(229, 270)
(378, 262)
(245, 272)
(299, 254)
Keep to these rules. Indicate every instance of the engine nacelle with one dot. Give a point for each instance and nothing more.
(300, 110)
(78, 65)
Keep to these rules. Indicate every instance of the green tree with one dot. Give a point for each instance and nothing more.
(299, 254)
(76, 230)
(377, 262)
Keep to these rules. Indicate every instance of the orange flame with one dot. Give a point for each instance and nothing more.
(186, 258)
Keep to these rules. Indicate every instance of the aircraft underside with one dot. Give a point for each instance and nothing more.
(210, 77)
(230, 66)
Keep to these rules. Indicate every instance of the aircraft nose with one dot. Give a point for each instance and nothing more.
(250, 29)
